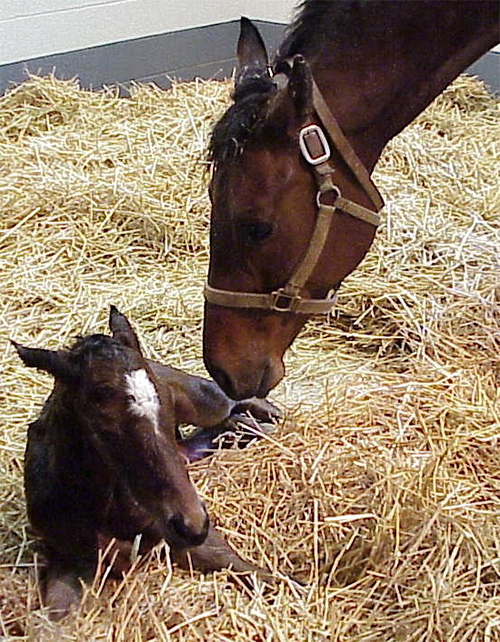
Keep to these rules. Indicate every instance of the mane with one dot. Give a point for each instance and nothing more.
(317, 21)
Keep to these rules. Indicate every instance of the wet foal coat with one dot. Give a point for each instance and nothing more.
(105, 460)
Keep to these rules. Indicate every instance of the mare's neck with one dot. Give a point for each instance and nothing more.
(378, 88)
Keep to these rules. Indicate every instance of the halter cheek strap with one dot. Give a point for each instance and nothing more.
(315, 150)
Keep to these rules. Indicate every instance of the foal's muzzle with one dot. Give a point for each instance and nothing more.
(181, 534)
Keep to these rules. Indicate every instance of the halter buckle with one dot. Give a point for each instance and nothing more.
(313, 144)
(283, 302)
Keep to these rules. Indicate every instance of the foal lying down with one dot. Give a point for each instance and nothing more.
(105, 460)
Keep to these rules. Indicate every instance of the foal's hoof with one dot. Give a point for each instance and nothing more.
(262, 410)
(62, 594)
(249, 420)
(252, 419)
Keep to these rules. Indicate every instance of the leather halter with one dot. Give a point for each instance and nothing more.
(315, 149)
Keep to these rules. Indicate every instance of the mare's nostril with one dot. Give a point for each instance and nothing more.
(184, 536)
(271, 375)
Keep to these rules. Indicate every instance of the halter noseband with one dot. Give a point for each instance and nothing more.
(315, 149)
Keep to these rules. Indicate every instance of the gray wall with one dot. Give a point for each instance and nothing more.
(36, 28)
(207, 52)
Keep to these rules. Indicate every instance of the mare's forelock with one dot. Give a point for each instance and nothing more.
(237, 124)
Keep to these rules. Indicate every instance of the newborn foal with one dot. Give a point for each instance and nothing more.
(103, 460)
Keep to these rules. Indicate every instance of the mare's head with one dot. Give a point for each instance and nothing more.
(126, 417)
(264, 209)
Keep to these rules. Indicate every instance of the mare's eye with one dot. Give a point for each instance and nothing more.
(256, 231)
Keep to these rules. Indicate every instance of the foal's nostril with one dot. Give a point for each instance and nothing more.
(184, 536)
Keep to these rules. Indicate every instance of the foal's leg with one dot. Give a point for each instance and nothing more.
(224, 422)
(215, 554)
(238, 430)
(62, 579)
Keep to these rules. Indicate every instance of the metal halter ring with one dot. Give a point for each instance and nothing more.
(319, 194)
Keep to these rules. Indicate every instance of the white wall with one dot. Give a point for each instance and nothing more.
(34, 28)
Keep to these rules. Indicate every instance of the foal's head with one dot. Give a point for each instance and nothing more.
(127, 417)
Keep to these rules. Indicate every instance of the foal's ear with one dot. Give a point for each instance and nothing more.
(250, 52)
(122, 330)
(57, 363)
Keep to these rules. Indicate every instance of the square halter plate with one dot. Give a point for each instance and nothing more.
(313, 144)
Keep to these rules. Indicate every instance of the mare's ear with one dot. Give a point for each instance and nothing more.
(250, 52)
(300, 87)
(293, 104)
(56, 362)
(121, 329)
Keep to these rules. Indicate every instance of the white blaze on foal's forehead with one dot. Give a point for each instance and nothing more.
(144, 402)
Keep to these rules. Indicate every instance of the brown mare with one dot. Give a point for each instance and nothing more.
(105, 460)
(295, 203)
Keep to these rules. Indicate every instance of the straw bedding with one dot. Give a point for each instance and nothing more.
(381, 488)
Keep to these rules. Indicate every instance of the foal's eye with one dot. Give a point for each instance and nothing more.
(257, 231)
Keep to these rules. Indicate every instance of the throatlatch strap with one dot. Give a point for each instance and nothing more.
(345, 149)
(324, 180)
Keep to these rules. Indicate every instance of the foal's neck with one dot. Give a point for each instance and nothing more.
(377, 88)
